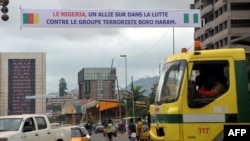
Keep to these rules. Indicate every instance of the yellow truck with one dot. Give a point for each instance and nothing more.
(180, 111)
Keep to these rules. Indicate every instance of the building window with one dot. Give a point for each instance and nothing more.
(87, 86)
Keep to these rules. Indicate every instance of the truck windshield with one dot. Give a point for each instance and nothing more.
(10, 124)
(170, 82)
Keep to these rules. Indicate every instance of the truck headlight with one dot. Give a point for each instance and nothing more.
(3, 139)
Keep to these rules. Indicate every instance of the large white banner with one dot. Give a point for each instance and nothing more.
(109, 18)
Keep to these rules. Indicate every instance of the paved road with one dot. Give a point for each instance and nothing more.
(99, 137)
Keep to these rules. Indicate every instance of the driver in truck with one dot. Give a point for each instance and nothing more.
(214, 86)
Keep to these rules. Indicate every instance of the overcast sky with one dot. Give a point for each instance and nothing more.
(68, 50)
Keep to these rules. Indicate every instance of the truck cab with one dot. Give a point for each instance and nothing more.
(183, 111)
(31, 127)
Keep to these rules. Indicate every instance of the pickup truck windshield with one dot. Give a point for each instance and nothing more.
(10, 124)
(170, 82)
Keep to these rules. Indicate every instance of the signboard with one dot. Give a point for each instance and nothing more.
(22, 83)
(109, 18)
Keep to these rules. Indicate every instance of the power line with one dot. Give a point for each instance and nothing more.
(154, 45)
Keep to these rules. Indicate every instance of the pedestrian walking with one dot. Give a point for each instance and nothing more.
(109, 130)
(139, 129)
(132, 130)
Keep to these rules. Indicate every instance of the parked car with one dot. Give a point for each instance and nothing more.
(114, 131)
(77, 134)
(27, 127)
(99, 129)
(85, 131)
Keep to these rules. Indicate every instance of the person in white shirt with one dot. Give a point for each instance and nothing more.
(132, 130)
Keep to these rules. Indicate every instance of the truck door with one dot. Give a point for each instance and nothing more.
(165, 117)
(44, 129)
(205, 108)
(29, 131)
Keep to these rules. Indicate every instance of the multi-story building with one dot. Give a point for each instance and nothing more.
(21, 75)
(97, 83)
(225, 23)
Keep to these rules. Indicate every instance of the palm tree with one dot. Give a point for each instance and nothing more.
(138, 96)
(151, 98)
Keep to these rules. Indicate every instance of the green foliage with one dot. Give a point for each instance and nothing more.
(151, 98)
(136, 94)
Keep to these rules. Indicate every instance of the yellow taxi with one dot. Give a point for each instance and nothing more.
(77, 134)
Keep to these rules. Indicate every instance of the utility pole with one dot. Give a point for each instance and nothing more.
(125, 56)
(119, 99)
(132, 92)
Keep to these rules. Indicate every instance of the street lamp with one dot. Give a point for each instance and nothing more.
(119, 99)
(82, 95)
(125, 56)
(133, 104)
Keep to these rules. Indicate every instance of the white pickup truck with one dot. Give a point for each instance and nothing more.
(31, 127)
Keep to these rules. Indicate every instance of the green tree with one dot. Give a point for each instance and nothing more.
(62, 87)
(136, 94)
(151, 98)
